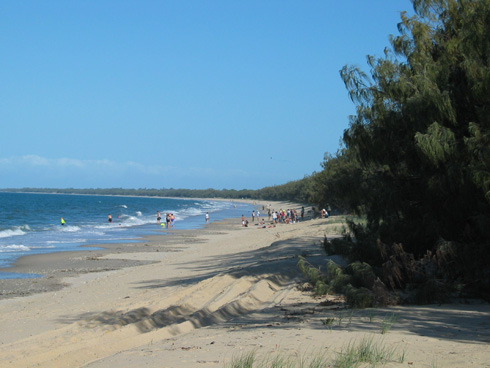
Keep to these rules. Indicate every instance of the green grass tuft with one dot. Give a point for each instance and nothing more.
(368, 350)
(388, 322)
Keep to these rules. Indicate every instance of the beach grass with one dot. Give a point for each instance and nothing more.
(388, 322)
(369, 349)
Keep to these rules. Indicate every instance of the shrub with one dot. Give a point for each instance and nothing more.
(359, 297)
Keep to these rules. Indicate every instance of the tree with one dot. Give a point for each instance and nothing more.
(421, 133)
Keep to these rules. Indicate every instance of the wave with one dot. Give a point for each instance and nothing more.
(50, 243)
(42, 246)
(70, 228)
(202, 208)
(14, 248)
(132, 220)
(16, 231)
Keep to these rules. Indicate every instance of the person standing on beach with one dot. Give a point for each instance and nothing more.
(243, 220)
(302, 213)
(253, 216)
(109, 218)
(207, 217)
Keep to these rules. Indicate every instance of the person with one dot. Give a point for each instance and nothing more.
(62, 221)
(253, 216)
(172, 221)
(109, 218)
(159, 217)
(207, 217)
(302, 213)
(243, 220)
(167, 220)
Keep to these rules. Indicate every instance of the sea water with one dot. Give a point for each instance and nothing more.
(30, 223)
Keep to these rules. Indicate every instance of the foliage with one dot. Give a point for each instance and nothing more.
(299, 191)
(337, 184)
(357, 282)
(416, 160)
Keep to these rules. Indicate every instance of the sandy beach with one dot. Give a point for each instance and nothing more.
(202, 298)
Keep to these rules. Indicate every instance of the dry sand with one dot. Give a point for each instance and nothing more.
(200, 298)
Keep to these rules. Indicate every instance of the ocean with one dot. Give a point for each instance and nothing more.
(31, 223)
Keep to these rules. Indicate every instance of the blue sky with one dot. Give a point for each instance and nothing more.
(179, 94)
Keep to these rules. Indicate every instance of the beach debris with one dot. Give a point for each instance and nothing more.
(190, 347)
(208, 361)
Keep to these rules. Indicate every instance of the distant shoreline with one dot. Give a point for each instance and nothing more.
(224, 199)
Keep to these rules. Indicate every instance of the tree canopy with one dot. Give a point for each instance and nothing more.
(416, 160)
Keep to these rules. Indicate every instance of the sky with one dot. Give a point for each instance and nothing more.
(188, 94)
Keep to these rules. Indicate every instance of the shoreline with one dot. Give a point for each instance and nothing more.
(205, 296)
(9, 268)
(50, 269)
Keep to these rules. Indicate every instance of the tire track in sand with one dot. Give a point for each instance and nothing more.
(214, 300)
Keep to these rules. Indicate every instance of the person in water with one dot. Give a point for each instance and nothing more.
(62, 221)
(109, 218)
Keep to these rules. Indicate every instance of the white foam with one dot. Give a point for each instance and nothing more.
(43, 246)
(192, 212)
(70, 229)
(131, 220)
(11, 232)
(13, 248)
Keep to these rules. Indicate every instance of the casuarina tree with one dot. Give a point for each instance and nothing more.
(421, 136)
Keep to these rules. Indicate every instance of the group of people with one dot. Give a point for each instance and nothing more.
(289, 216)
(169, 220)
